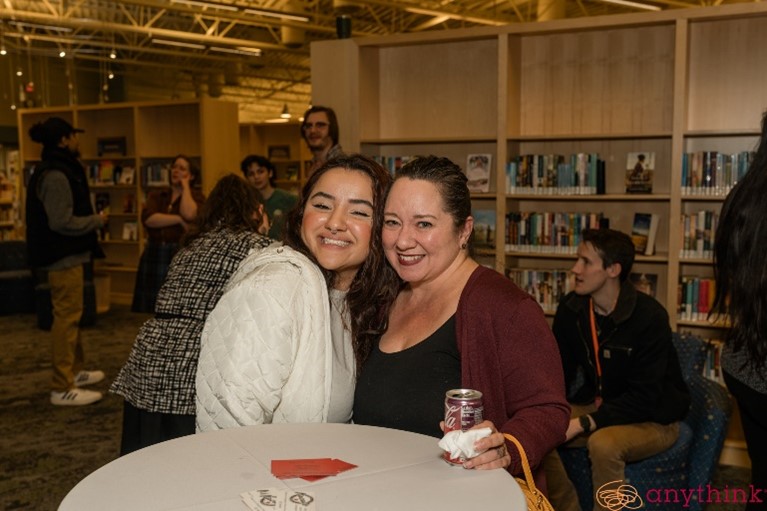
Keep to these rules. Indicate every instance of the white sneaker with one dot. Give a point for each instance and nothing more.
(75, 397)
(84, 378)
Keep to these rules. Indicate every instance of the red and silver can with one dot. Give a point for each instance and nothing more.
(463, 410)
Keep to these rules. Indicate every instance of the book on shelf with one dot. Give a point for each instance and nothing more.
(392, 163)
(546, 286)
(129, 203)
(484, 227)
(130, 231)
(644, 230)
(640, 167)
(156, 174)
(127, 175)
(478, 172)
(645, 282)
(698, 231)
(696, 297)
(101, 202)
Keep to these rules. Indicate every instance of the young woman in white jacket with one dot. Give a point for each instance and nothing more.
(284, 341)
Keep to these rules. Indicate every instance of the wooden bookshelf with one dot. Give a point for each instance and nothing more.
(671, 82)
(204, 129)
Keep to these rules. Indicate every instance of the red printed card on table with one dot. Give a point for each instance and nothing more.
(309, 469)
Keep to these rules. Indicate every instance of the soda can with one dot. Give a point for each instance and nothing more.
(463, 410)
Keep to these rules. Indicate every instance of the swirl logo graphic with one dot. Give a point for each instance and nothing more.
(616, 496)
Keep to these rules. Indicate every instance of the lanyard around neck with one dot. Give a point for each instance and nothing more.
(595, 341)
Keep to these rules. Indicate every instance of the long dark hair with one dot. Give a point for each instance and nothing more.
(376, 284)
(233, 203)
(740, 266)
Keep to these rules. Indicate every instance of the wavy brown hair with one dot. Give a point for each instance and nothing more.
(376, 284)
(233, 203)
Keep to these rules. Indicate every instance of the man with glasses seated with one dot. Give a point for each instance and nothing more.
(320, 131)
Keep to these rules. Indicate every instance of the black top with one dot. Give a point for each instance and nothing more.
(406, 390)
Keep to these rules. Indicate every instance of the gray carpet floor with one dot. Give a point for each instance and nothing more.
(46, 450)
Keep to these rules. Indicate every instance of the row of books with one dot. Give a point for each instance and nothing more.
(548, 232)
(549, 286)
(698, 231)
(392, 163)
(477, 170)
(555, 174)
(712, 367)
(155, 174)
(695, 297)
(712, 172)
(107, 172)
(102, 201)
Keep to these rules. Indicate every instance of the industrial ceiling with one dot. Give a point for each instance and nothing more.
(253, 52)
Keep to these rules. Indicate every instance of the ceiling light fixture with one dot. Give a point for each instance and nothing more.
(211, 5)
(62, 54)
(112, 54)
(636, 5)
(179, 43)
(3, 51)
(240, 50)
(276, 14)
(285, 112)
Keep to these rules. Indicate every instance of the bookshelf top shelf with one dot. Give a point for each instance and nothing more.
(747, 132)
(640, 258)
(427, 140)
(614, 197)
(589, 136)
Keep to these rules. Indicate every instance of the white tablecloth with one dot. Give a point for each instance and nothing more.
(396, 470)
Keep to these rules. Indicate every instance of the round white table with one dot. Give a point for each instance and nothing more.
(396, 470)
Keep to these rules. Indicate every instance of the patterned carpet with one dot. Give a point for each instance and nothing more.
(47, 450)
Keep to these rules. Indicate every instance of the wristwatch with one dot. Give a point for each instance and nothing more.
(585, 423)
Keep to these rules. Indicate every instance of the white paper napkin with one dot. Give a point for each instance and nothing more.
(460, 444)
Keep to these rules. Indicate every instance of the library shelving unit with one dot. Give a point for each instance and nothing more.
(10, 195)
(670, 82)
(138, 135)
(283, 145)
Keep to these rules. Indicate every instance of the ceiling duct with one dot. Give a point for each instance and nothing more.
(292, 37)
(345, 7)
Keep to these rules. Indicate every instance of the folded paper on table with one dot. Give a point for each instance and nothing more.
(460, 444)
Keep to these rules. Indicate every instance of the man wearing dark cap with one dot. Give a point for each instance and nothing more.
(61, 237)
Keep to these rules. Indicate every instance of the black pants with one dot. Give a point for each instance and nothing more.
(142, 428)
(752, 406)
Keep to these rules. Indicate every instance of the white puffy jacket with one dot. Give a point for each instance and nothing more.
(266, 353)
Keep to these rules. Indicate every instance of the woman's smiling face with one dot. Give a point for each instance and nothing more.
(338, 221)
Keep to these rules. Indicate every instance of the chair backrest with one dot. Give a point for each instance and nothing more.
(709, 412)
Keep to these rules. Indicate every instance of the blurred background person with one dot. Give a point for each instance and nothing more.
(278, 203)
(166, 216)
(320, 132)
(283, 343)
(740, 269)
(61, 237)
(456, 324)
(157, 381)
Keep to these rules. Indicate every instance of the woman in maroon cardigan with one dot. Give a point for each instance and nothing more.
(456, 324)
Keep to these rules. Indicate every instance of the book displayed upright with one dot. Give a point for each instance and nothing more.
(478, 172)
(644, 230)
(484, 227)
(640, 167)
